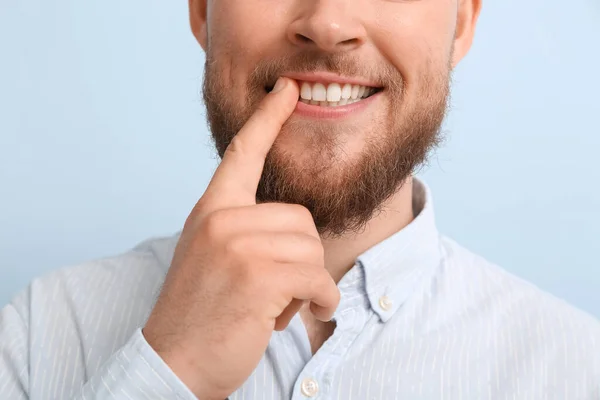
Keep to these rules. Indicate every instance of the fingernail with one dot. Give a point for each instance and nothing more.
(280, 84)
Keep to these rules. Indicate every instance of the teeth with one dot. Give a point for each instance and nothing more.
(347, 91)
(333, 94)
(319, 93)
(306, 91)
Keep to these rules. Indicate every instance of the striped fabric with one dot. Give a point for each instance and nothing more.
(420, 318)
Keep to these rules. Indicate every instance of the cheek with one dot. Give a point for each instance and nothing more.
(422, 35)
(241, 34)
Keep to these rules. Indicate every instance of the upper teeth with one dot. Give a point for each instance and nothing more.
(333, 92)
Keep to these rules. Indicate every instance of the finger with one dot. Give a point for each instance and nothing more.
(321, 313)
(267, 217)
(307, 282)
(279, 247)
(235, 181)
(286, 316)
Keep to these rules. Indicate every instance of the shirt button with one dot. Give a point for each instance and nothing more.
(385, 303)
(309, 387)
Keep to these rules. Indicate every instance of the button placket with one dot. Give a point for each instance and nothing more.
(350, 317)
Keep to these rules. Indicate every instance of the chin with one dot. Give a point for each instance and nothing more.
(325, 141)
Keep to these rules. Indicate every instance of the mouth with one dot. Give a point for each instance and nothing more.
(332, 94)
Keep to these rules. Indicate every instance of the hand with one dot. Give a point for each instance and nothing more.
(240, 270)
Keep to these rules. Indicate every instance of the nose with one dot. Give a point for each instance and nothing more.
(328, 25)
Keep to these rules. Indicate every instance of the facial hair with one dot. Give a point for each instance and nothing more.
(342, 192)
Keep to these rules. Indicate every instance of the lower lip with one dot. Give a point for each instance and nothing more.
(312, 111)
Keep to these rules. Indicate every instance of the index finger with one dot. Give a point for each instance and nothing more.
(235, 181)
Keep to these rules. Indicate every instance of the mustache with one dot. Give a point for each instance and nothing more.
(267, 71)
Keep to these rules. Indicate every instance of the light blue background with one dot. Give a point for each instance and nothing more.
(103, 141)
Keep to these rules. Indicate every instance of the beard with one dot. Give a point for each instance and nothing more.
(343, 190)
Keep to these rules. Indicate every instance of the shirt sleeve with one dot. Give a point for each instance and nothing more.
(14, 356)
(134, 372)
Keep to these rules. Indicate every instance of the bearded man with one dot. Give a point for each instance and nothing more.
(311, 267)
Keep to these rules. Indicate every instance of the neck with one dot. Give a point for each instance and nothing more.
(397, 212)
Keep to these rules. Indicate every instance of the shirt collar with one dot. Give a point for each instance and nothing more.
(392, 269)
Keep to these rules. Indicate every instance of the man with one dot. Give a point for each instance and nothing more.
(311, 266)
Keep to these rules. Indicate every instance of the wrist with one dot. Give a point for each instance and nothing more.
(185, 364)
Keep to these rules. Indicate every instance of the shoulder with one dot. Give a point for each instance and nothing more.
(483, 279)
(94, 307)
(109, 279)
(518, 317)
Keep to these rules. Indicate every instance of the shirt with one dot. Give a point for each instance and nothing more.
(420, 317)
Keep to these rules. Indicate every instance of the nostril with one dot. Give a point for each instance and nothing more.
(349, 42)
(303, 39)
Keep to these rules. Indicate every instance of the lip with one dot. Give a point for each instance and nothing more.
(318, 112)
(329, 77)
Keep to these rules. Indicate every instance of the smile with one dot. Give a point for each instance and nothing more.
(333, 94)
(325, 95)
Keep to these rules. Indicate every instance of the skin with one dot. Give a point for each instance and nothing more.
(243, 267)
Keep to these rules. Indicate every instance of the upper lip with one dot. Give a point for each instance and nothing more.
(329, 77)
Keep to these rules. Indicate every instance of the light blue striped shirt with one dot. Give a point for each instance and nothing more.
(420, 318)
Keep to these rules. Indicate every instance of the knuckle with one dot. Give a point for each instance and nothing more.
(315, 250)
(238, 248)
(326, 286)
(304, 218)
(337, 295)
(261, 110)
(195, 216)
(266, 116)
(324, 280)
(214, 224)
(301, 212)
(190, 222)
(200, 207)
(236, 146)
